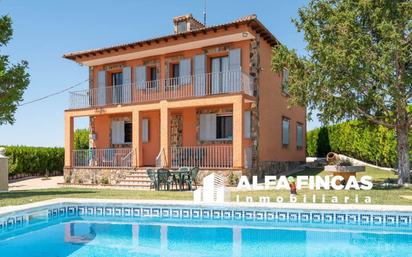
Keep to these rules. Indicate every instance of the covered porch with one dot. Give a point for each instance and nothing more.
(212, 133)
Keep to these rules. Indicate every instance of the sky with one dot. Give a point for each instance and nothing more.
(46, 29)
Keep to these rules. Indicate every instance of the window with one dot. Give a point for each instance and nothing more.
(128, 132)
(145, 130)
(175, 70)
(224, 127)
(285, 131)
(121, 132)
(181, 26)
(174, 74)
(285, 81)
(299, 136)
(220, 76)
(247, 124)
(117, 79)
(152, 75)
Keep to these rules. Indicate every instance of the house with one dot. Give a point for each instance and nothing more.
(202, 96)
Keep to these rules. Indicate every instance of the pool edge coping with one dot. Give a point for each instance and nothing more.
(7, 210)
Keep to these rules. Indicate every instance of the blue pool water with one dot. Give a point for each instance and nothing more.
(89, 235)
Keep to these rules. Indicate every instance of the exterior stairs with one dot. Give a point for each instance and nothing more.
(136, 179)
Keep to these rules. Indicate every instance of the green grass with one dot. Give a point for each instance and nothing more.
(28, 196)
(379, 196)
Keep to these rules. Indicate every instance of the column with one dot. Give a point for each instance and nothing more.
(136, 144)
(164, 133)
(68, 139)
(238, 113)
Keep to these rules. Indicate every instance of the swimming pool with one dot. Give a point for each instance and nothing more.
(144, 229)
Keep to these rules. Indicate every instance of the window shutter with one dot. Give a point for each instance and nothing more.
(101, 87)
(126, 88)
(234, 59)
(117, 132)
(145, 130)
(200, 75)
(247, 122)
(185, 71)
(140, 78)
(207, 127)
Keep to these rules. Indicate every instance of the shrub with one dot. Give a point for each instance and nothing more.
(373, 144)
(34, 160)
(233, 179)
(104, 181)
(68, 179)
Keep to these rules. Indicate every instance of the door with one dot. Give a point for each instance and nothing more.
(220, 68)
(117, 81)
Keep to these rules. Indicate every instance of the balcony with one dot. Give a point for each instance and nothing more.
(194, 86)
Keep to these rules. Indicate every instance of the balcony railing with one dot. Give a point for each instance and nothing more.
(173, 88)
(202, 156)
(103, 158)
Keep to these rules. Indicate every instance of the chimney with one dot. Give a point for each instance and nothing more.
(186, 23)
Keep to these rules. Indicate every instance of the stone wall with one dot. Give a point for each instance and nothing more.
(254, 71)
(94, 175)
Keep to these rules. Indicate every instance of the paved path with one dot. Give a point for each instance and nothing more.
(36, 183)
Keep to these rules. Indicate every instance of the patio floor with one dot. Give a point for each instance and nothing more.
(36, 183)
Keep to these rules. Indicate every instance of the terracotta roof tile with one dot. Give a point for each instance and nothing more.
(249, 18)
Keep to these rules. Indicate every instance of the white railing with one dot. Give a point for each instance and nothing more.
(202, 156)
(160, 156)
(172, 88)
(111, 157)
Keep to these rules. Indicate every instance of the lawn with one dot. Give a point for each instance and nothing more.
(378, 196)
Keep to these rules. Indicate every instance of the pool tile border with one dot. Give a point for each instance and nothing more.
(188, 210)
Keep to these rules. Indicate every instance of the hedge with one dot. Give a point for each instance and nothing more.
(34, 160)
(372, 144)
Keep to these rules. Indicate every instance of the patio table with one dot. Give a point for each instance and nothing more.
(180, 174)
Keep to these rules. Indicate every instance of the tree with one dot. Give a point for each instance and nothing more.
(13, 77)
(358, 66)
(81, 139)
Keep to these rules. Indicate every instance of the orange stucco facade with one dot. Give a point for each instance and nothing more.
(273, 105)
(166, 120)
